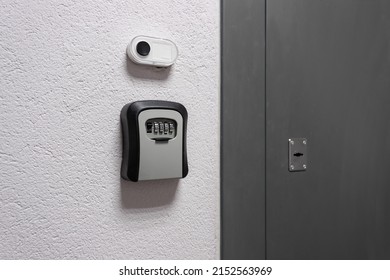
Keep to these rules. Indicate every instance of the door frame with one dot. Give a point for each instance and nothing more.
(243, 128)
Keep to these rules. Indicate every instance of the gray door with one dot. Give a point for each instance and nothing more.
(328, 80)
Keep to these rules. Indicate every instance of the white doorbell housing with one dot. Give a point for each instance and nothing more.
(154, 140)
(152, 51)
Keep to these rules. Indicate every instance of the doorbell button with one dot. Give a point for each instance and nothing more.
(152, 51)
(143, 48)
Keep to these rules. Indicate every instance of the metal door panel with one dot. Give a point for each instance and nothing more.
(328, 80)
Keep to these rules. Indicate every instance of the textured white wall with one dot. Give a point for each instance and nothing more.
(64, 79)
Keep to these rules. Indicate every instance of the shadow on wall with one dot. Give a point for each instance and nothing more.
(148, 194)
(146, 72)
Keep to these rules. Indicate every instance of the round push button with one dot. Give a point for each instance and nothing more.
(143, 48)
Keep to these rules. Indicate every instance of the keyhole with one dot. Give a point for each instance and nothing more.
(298, 154)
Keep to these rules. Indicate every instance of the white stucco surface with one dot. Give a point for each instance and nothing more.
(64, 79)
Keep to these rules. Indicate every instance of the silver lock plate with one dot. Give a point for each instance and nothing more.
(297, 154)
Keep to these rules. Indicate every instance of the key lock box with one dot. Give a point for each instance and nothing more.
(154, 140)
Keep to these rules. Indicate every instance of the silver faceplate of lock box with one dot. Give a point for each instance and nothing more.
(160, 158)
